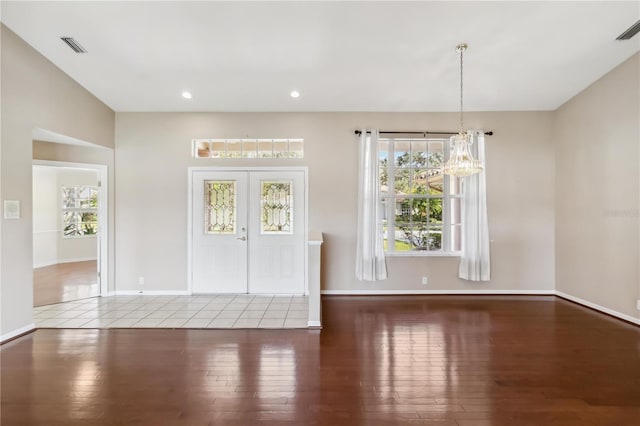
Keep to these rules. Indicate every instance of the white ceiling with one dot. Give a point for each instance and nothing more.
(341, 56)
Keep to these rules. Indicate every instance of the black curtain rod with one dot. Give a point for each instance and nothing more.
(425, 133)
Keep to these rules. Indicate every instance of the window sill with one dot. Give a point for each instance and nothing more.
(423, 254)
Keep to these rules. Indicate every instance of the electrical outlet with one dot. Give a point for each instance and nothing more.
(140, 281)
(638, 304)
(424, 281)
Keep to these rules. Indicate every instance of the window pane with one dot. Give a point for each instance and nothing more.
(403, 210)
(265, 149)
(220, 207)
(419, 181)
(434, 241)
(69, 197)
(296, 149)
(71, 224)
(436, 155)
(280, 148)
(401, 184)
(90, 228)
(414, 235)
(88, 217)
(203, 150)
(401, 241)
(419, 210)
(435, 182)
(88, 197)
(435, 210)
(276, 207)
(419, 154)
(234, 149)
(84, 192)
(218, 149)
(249, 149)
(402, 153)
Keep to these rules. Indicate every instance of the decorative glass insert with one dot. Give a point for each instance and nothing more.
(219, 207)
(277, 204)
(79, 211)
(248, 148)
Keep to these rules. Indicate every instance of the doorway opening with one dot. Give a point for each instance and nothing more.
(69, 222)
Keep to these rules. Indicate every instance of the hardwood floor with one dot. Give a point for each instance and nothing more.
(429, 360)
(64, 282)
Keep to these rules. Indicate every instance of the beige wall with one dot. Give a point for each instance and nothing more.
(45, 216)
(597, 138)
(35, 94)
(153, 153)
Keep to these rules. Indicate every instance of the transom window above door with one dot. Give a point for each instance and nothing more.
(248, 148)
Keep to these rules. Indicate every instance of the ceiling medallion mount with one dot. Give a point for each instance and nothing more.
(461, 162)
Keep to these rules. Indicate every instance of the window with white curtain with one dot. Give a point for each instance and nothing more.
(422, 207)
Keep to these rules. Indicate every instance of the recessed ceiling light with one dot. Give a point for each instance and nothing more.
(187, 95)
(295, 94)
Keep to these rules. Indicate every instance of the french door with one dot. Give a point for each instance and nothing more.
(248, 231)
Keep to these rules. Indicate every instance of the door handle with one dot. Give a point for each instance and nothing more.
(242, 238)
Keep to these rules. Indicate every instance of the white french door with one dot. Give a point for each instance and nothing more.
(248, 231)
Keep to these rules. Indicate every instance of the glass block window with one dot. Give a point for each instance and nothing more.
(422, 207)
(248, 148)
(79, 211)
(276, 203)
(220, 207)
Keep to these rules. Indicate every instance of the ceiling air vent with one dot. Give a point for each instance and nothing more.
(633, 30)
(74, 45)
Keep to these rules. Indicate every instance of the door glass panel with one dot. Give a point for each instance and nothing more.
(276, 202)
(219, 207)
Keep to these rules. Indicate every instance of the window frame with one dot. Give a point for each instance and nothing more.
(248, 149)
(446, 198)
(79, 210)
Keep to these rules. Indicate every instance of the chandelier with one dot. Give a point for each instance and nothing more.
(461, 162)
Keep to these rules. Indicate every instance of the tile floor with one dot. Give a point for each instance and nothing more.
(211, 311)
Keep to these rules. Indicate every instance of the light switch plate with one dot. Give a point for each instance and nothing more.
(12, 209)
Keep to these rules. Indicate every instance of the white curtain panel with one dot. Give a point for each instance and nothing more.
(370, 263)
(475, 263)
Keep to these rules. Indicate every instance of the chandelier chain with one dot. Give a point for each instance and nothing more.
(461, 88)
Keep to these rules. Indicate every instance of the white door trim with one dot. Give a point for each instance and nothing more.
(190, 173)
(103, 214)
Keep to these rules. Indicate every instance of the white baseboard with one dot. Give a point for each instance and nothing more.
(60, 261)
(407, 292)
(77, 259)
(19, 331)
(152, 293)
(599, 308)
(47, 263)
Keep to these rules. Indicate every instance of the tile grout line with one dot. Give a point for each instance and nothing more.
(114, 305)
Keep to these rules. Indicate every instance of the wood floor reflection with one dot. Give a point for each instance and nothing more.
(428, 360)
(64, 282)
